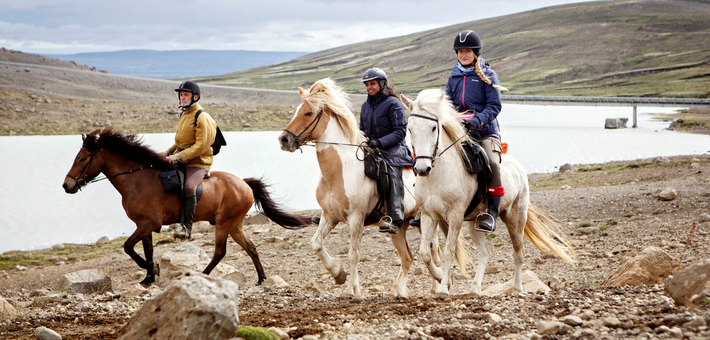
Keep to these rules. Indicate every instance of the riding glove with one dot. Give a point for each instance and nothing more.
(471, 125)
(374, 143)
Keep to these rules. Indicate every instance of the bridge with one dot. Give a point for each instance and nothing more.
(607, 101)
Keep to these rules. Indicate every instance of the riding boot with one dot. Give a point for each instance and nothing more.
(489, 224)
(316, 218)
(395, 206)
(187, 215)
(416, 221)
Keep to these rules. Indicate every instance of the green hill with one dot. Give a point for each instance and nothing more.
(607, 48)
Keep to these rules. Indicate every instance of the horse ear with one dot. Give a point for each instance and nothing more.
(301, 91)
(83, 137)
(406, 101)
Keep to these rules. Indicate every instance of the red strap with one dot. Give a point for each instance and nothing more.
(496, 191)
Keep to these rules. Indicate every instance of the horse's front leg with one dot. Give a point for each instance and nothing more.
(356, 231)
(429, 246)
(143, 233)
(480, 239)
(332, 265)
(399, 240)
(448, 256)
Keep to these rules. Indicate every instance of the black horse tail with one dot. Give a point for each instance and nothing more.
(266, 205)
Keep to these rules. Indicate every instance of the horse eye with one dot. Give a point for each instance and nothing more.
(433, 129)
(82, 160)
(308, 114)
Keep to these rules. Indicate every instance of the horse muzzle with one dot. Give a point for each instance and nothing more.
(70, 186)
(288, 142)
(422, 169)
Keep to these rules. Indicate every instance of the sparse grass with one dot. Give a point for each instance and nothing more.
(491, 236)
(256, 333)
(584, 225)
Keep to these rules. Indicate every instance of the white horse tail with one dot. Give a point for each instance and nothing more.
(462, 258)
(547, 236)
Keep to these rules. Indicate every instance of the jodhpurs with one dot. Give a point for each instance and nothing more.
(493, 150)
(395, 204)
(193, 178)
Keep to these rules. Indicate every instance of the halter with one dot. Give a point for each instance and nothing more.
(434, 156)
(302, 140)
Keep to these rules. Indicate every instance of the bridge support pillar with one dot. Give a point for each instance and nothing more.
(635, 125)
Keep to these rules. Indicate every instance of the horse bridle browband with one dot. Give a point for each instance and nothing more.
(434, 156)
(302, 140)
(81, 180)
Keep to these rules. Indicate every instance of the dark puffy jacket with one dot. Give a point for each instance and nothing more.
(382, 117)
(469, 93)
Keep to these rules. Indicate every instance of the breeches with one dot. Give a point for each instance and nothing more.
(493, 150)
(193, 178)
(395, 204)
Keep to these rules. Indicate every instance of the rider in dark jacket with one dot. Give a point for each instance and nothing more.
(474, 89)
(384, 123)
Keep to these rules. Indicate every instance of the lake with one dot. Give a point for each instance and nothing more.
(37, 213)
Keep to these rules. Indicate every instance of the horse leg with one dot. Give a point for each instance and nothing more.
(448, 256)
(220, 248)
(249, 247)
(147, 239)
(330, 264)
(480, 239)
(429, 249)
(515, 222)
(399, 240)
(356, 230)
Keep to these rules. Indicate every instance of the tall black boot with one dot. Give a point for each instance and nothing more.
(489, 224)
(416, 221)
(187, 215)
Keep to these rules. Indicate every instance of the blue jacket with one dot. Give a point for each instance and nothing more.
(469, 93)
(382, 117)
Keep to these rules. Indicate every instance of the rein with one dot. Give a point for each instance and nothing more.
(434, 156)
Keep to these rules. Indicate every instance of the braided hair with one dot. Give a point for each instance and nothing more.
(479, 72)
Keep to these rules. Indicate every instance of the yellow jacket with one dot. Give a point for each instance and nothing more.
(193, 144)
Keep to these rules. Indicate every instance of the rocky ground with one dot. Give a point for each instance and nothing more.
(620, 199)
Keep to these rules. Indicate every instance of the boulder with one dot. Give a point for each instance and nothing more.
(531, 284)
(193, 306)
(651, 266)
(44, 333)
(180, 260)
(6, 309)
(615, 123)
(257, 218)
(690, 286)
(667, 194)
(566, 167)
(103, 240)
(87, 281)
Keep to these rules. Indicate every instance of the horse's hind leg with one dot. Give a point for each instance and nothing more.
(330, 264)
(220, 247)
(241, 238)
(399, 241)
(480, 239)
(515, 220)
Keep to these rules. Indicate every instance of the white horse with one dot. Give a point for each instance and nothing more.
(443, 193)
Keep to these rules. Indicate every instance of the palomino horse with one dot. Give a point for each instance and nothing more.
(443, 193)
(344, 193)
(133, 170)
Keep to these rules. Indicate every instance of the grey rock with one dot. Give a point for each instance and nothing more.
(6, 309)
(611, 322)
(566, 167)
(87, 281)
(651, 266)
(668, 194)
(43, 333)
(690, 286)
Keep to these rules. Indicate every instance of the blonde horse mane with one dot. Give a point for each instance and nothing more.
(435, 103)
(325, 94)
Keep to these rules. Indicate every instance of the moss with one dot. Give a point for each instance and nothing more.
(256, 333)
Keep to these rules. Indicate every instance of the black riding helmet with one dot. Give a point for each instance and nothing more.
(189, 86)
(468, 39)
(375, 73)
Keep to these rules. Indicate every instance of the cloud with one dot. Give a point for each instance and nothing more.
(72, 26)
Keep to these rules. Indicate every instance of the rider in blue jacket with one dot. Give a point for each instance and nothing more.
(474, 90)
(384, 123)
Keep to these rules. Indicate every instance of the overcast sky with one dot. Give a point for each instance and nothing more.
(74, 26)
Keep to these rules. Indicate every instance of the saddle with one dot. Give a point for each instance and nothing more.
(476, 162)
(174, 181)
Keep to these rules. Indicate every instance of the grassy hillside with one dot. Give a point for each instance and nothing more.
(606, 48)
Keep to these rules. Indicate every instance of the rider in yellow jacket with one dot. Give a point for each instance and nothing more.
(192, 148)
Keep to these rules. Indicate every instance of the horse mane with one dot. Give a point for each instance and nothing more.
(325, 94)
(436, 103)
(126, 144)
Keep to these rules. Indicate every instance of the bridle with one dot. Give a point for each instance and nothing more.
(81, 180)
(302, 140)
(434, 155)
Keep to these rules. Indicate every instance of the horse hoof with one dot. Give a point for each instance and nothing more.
(340, 279)
(148, 281)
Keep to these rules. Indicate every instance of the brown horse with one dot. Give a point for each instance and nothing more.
(133, 170)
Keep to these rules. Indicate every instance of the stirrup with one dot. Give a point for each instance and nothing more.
(385, 225)
(476, 225)
(182, 233)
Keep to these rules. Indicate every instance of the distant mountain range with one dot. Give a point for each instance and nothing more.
(176, 64)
